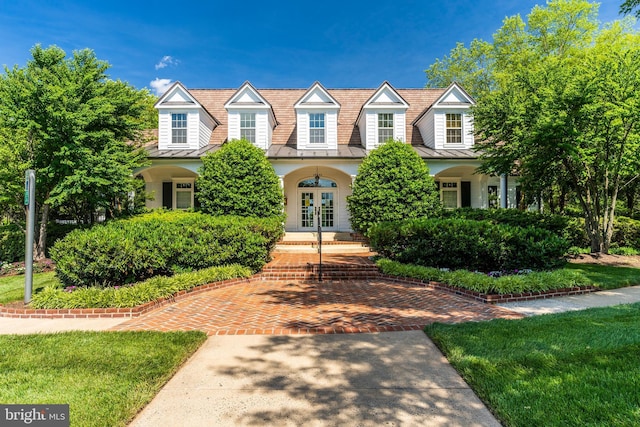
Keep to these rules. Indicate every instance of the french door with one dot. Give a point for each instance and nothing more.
(312, 199)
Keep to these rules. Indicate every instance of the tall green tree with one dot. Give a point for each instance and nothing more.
(393, 183)
(239, 180)
(566, 105)
(64, 117)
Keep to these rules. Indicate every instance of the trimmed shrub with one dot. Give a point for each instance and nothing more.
(393, 183)
(130, 250)
(472, 245)
(239, 180)
(568, 227)
(135, 294)
(478, 282)
(12, 243)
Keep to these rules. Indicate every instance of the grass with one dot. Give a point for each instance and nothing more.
(571, 369)
(608, 277)
(12, 287)
(105, 377)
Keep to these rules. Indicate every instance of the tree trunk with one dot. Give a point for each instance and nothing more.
(41, 244)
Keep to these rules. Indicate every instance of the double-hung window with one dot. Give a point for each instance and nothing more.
(179, 128)
(449, 194)
(248, 126)
(385, 127)
(454, 128)
(316, 128)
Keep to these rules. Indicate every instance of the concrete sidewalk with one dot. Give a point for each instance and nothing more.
(391, 378)
(576, 302)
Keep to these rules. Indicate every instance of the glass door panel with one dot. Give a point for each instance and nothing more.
(327, 210)
(306, 209)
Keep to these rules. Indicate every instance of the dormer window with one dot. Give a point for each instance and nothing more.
(178, 128)
(316, 128)
(454, 128)
(385, 127)
(248, 126)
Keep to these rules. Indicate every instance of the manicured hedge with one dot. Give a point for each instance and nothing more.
(468, 244)
(136, 294)
(538, 281)
(126, 251)
(568, 227)
(11, 243)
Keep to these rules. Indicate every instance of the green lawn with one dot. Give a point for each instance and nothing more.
(571, 369)
(607, 277)
(12, 287)
(105, 377)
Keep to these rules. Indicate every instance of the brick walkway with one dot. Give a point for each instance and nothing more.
(307, 307)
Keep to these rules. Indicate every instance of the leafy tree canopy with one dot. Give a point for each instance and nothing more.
(64, 117)
(629, 5)
(565, 107)
(393, 183)
(239, 180)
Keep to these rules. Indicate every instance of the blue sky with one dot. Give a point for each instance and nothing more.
(216, 44)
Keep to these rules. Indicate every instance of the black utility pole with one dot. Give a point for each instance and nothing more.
(319, 218)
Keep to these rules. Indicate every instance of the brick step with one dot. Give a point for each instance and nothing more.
(329, 271)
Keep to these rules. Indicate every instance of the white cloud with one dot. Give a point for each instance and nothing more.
(160, 86)
(166, 61)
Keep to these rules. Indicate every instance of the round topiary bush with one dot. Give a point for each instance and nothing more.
(239, 180)
(393, 183)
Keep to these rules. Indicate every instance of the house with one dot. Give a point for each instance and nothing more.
(315, 139)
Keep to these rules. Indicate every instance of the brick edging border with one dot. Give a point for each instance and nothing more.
(92, 313)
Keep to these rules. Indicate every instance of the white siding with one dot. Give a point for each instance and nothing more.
(164, 130)
(399, 126)
(262, 126)
(371, 140)
(330, 126)
(193, 129)
(439, 131)
(206, 128)
(302, 121)
(468, 131)
(234, 125)
(427, 130)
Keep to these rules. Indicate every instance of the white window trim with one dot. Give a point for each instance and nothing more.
(324, 129)
(171, 129)
(254, 128)
(176, 181)
(458, 182)
(446, 128)
(393, 128)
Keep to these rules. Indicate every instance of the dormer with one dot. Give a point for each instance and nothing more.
(382, 117)
(250, 117)
(183, 124)
(317, 119)
(448, 124)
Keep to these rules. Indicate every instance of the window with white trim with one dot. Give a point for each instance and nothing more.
(248, 126)
(449, 194)
(385, 127)
(183, 194)
(178, 128)
(454, 128)
(316, 128)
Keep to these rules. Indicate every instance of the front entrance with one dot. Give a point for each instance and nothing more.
(317, 197)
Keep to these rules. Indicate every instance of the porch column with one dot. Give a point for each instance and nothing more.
(504, 191)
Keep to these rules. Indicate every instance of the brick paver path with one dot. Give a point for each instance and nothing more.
(290, 307)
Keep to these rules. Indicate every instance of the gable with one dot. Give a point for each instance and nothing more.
(455, 95)
(386, 96)
(177, 95)
(317, 96)
(247, 95)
